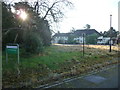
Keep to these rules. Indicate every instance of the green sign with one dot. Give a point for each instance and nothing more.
(12, 49)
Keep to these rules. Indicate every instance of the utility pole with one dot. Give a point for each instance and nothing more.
(110, 32)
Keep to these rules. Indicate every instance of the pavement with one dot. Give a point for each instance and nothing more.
(107, 78)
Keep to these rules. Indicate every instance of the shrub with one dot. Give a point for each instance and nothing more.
(33, 43)
(61, 41)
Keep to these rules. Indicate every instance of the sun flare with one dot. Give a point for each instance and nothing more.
(23, 15)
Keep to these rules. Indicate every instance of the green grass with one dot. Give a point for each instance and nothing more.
(54, 59)
(51, 57)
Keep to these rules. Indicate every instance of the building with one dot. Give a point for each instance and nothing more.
(76, 36)
(103, 40)
(118, 39)
(63, 37)
(87, 32)
(106, 40)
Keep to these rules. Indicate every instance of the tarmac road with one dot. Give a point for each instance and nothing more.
(107, 78)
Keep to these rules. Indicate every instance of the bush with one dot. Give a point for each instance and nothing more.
(61, 41)
(33, 43)
(91, 39)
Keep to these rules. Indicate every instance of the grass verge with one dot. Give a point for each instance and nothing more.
(55, 63)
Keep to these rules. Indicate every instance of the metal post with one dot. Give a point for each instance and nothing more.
(83, 44)
(110, 32)
(18, 53)
(110, 21)
(6, 57)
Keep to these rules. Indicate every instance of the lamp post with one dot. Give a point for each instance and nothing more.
(110, 32)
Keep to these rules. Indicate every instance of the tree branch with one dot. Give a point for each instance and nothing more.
(49, 9)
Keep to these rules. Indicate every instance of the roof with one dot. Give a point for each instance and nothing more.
(86, 32)
(78, 33)
(61, 34)
(101, 37)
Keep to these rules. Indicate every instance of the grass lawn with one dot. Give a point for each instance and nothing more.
(56, 62)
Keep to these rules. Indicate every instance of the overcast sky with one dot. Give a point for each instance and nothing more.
(93, 12)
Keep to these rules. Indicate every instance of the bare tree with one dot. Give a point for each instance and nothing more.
(51, 9)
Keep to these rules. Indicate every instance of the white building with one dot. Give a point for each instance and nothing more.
(79, 39)
(104, 40)
(77, 36)
(63, 37)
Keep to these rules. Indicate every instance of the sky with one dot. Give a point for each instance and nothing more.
(93, 12)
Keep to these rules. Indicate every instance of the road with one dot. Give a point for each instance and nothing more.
(107, 78)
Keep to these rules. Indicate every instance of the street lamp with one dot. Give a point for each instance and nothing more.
(110, 32)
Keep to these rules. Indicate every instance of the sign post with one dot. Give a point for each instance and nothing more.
(83, 44)
(12, 49)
